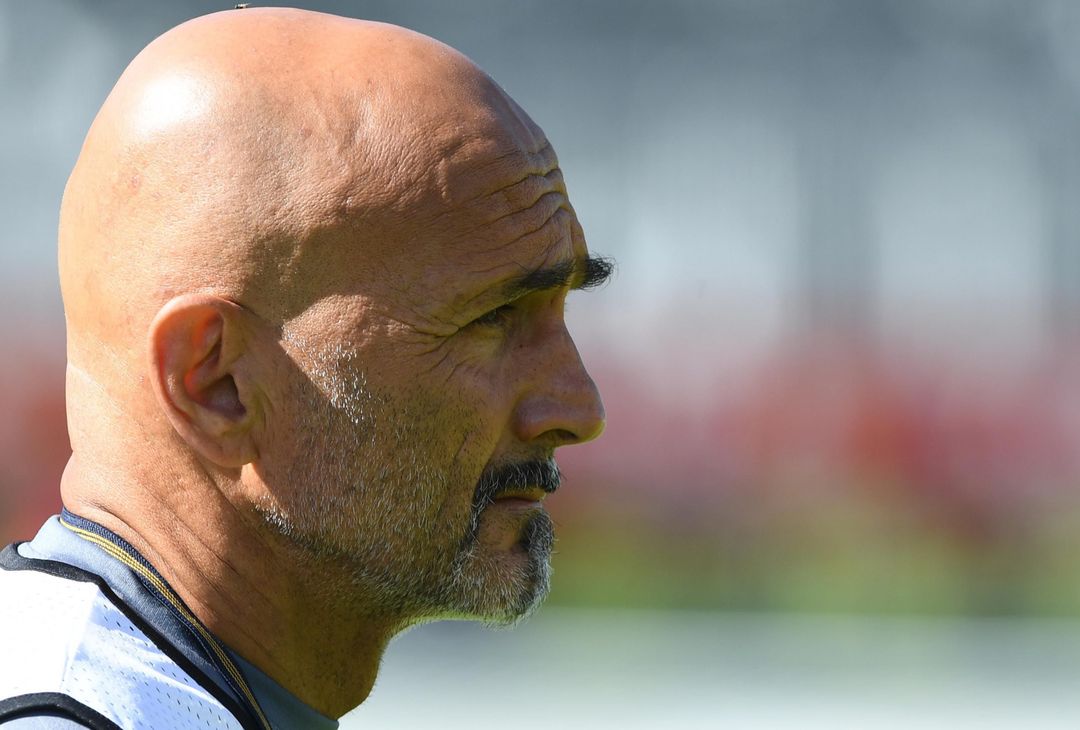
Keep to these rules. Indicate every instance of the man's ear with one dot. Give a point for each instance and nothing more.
(198, 356)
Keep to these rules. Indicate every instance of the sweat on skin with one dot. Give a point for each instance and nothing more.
(314, 272)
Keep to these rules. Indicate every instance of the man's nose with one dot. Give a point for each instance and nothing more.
(562, 405)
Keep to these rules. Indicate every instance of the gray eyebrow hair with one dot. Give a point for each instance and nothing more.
(588, 272)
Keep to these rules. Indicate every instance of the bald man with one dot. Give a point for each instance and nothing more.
(314, 272)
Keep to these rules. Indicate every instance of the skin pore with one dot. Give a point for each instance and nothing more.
(314, 272)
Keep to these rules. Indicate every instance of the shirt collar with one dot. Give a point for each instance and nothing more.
(89, 546)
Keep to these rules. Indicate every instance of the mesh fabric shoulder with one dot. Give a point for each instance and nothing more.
(65, 636)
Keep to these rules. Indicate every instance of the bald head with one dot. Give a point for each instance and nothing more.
(332, 180)
(314, 272)
(241, 149)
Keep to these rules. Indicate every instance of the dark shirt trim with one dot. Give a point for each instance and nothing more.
(54, 704)
(10, 559)
(158, 587)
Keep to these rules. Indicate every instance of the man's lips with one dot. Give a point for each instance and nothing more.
(528, 496)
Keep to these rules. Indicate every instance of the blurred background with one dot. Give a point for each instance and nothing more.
(841, 358)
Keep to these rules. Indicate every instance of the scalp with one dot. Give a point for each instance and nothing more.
(239, 151)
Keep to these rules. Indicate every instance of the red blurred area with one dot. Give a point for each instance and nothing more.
(972, 469)
(838, 451)
(33, 440)
(825, 407)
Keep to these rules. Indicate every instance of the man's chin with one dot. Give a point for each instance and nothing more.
(508, 616)
(499, 586)
(533, 552)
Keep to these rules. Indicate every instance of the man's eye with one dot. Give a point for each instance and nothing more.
(498, 317)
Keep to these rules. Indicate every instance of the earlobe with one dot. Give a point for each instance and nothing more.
(197, 353)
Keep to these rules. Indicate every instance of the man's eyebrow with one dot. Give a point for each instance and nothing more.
(587, 272)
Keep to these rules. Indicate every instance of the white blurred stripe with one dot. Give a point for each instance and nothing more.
(588, 669)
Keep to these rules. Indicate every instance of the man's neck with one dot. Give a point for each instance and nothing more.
(246, 585)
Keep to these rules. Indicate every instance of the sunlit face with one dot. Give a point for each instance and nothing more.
(428, 411)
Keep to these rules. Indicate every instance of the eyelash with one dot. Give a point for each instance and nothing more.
(498, 317)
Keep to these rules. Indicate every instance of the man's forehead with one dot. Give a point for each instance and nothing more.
(498, 209)
(501, 208)
(457, 197)
(540, 245)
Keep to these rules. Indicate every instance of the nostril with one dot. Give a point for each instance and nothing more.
(562, 436)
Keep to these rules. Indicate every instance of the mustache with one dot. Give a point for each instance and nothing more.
(514, 477)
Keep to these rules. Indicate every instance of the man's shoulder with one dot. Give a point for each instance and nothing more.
(67, 635)
(44, 616)
(45, 612)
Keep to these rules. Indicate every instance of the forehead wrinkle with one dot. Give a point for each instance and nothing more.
(519, 196)
(544, 243)
(515, 228)
(512, 210)
(494, 171)
(525, 204)
(538, 229)
(519, 163)
(539, 159)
